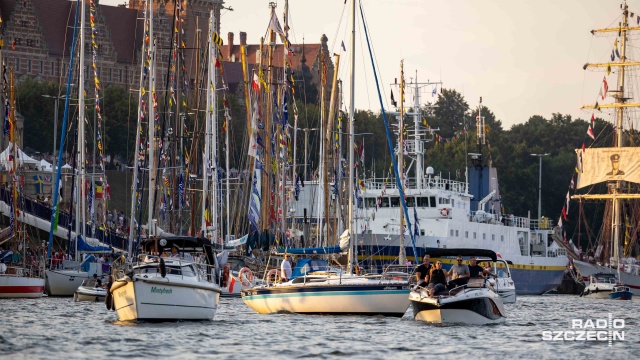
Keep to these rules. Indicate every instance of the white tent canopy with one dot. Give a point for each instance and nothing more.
(44, 165)
(24, 158)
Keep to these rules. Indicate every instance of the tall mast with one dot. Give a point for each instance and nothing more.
(620, 99)
(206, 159)
(351, 141)
(283, 132)
(80, 219)
(137, 149)
(402, 259)
(152, 123)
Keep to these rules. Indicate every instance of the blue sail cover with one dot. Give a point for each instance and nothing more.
(84, 246)
(311, 251)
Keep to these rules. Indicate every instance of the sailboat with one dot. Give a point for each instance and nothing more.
(65, 281)
(20, 279)
(618, 165)
(336, 292)
(155, 285)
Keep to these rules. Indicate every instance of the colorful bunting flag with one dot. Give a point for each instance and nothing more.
(590, 133)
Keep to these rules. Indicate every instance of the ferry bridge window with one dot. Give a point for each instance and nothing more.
(451, 232)
(385, 202)
(395, 201)
(457, 233)
(466, 234)
(411, 201)
(423, 202)
(493, 237)
(432, 201)
(474, 235)
(370, 202)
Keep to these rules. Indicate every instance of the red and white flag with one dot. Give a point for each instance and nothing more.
(606, 86)
(232, 283)
(590, 133)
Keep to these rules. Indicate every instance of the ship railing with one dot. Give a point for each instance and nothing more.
(541, 224)
(430, 183)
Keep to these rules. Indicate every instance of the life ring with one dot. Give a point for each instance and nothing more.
(245, 281)
(273, 272)
(444, 212)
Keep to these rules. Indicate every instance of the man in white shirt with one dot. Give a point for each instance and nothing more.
(285, 268)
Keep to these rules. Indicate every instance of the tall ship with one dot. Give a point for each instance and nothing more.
(608, 170)
(446, 213)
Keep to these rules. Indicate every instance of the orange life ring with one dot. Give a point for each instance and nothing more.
(245, 281)
(444, 212)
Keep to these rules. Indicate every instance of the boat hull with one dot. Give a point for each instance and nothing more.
(158, 300)
(621, 295)
(21, 287)
(381, 299)
(630, 280)
(64, 282)
(84, 293)
(475, 308)
(508, 296)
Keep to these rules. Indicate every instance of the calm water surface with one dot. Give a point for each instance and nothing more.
(55, 328)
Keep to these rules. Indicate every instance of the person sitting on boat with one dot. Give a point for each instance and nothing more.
(422, 272)
(174, 252)
(96, 281)
(476, 270)
(459, 274)
(285, 268)
(437, 279)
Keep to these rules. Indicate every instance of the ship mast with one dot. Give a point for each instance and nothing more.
(620, 104)
(402, 259)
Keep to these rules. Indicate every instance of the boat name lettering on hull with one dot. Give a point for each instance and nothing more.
(161, 291)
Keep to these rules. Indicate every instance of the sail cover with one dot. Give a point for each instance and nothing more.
(597, 165)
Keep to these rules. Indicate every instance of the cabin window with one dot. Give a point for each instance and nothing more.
(395, 202)
(384, 202)
(457, 233)
(443, 201)
(451, 232)
(524, 243)
(474, 235)
(453, 203)
(423, 201)
(484, 236)
(370, 202)
(466, 234)
(493, 237)
(411, 201)
(501, 237)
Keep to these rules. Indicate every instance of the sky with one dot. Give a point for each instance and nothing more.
(523, 57)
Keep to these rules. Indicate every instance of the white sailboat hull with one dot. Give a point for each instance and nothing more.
(366, 298)
(85, 293)
(630, 280)
(167, 298)
(64, 282)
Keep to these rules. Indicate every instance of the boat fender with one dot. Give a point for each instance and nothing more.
(108, 300)
(245, 280)
(225, 275)
(444, 212)
(163, 268)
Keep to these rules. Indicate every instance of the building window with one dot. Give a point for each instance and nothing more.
(474, 235)
(109, 75)
(466, 234)
(53, 68)
(119, 75)
(30, 42)
(451, 232)
(42, 67)
(29, 69)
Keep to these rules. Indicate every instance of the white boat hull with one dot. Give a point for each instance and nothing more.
(84, 293)
(387, 300)
(469, 306)
(457, 316)
(164, 299)
(630, 280)
(64, 282)
(12, 286)
(508, 296)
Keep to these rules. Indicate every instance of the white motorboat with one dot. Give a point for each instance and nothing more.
(90, 291)
(600, 286)
(502, 282)
(166, 288)
(18, 282)
(476, 302)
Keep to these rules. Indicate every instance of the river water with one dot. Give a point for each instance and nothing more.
(56, 328)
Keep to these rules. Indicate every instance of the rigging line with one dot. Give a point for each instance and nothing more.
(64, 124)
(390, 143)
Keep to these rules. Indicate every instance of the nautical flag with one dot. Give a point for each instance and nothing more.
(560, 222)
(416, 229)
(593, 120)
(433, 93)
(232, 283)
(260, 167)
(613, 55)
(253, 145)
(285, 112)
(343, 48)
(7, 123)
(181, 190)
(99, 192)
(297, 187)
(215, 37)
(571, 184)
(207, 217)
(590, 132)
(39, 184)
(564, 212)
(393, 101)
(606, 86)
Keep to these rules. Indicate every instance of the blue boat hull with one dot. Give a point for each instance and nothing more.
(621, 295)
